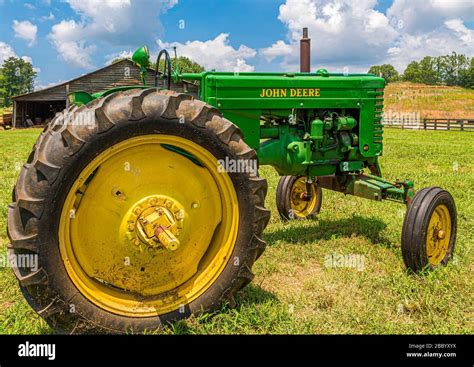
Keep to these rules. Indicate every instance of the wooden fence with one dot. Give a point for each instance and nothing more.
(431, 124)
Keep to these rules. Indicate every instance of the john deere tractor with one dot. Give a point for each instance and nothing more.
(144, 204)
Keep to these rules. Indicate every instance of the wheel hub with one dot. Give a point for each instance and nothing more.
(302, 202)
(155, 222)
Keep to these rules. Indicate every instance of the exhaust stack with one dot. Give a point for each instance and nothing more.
(305, 52)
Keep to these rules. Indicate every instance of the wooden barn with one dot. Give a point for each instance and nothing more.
(39, 107)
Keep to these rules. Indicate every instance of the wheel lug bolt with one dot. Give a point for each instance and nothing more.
(180, 214)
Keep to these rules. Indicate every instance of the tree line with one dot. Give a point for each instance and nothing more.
(453, 70)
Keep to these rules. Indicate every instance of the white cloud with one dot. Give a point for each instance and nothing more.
(279, 48)
(6, 51)
(25, 30)
(27, 59)
(50, 16)
(354, 35)
(343, 33)
(76, 53)
(215, 54)
(118, 55)
(452, 36)
(113, 22)
(465, 34)
(417, 17)
(441, 32)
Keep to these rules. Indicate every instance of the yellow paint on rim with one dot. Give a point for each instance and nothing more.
(129, 277)
(302, 208)
(438, 234)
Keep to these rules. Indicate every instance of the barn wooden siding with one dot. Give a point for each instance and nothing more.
(124, 72)
(121, 73)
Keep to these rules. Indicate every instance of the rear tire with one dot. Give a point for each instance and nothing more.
(429, 229)
(65, 149)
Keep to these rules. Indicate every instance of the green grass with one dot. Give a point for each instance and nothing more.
(293, 290)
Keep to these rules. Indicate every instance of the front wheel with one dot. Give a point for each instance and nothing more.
(429, 229)
(133, 222)
(298, 199)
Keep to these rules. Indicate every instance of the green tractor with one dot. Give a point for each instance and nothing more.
(144, 204)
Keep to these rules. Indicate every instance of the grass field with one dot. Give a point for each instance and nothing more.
(294, 290)
(430, 101)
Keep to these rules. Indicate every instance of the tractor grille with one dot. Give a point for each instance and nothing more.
(378, 111)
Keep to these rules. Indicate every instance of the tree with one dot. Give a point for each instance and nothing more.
(2, 90)
(386, 71)
(412, 72)
(18, 78)
(454, 69)
(185, 64)
(429, 71)
(466, 76)
(452, 66)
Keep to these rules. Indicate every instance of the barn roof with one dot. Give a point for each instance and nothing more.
(61, 87)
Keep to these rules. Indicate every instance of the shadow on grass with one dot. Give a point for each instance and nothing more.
(253, 294)
(315, 230)
(249, 297)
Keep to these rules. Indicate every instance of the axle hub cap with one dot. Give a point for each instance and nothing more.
(155, 222)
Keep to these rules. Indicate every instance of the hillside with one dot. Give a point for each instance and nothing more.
(429, 100)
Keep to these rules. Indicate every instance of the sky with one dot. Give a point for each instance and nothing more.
(67, 38)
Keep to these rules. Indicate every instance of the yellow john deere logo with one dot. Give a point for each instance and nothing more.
(292, 92)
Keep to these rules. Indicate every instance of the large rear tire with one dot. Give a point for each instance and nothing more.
(89, 195)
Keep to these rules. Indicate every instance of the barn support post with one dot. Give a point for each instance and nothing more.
(14, 114)
(67, 96)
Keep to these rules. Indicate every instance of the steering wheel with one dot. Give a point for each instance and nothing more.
(167, 65)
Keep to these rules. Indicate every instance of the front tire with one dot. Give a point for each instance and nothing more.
(291, 201)
(91, 188)
(429, 229)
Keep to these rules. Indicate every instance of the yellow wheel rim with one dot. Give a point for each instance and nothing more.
(110, 214)
(302, 208)
(438, 235)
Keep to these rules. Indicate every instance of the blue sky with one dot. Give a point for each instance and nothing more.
(67, 38)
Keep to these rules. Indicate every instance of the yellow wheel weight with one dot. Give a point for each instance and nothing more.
(145, 230)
